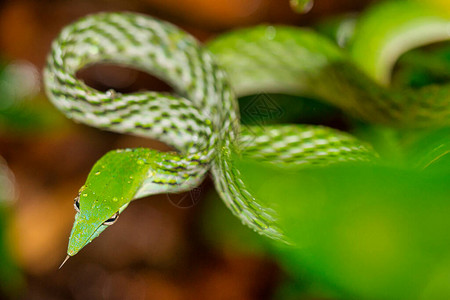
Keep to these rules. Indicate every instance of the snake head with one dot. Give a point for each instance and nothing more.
(92, 218)
(109, 188)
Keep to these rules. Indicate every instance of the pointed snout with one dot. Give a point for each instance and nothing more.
(83, 232)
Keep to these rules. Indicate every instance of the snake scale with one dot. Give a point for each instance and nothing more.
(201, 119)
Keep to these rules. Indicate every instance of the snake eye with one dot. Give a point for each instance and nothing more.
(111, 220)
(76, 203)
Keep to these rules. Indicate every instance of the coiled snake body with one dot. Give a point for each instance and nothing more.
(202, 120)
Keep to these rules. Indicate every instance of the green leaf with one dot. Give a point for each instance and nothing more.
(368, 231)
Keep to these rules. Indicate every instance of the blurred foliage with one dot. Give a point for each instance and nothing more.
(339, 29)
(423, 66)
(10, 276)
(375, 231)
(21, 109)
(21, 114)
(371, 41)
(442, 5)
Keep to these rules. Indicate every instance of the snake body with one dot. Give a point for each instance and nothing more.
(201, 121)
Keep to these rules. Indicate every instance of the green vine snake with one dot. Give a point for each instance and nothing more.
(201, 121)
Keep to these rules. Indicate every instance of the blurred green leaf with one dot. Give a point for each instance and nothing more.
(374, 232)
(424, 66)
(340, 29)
(10, 275)
(431, 150)
(29, 118)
